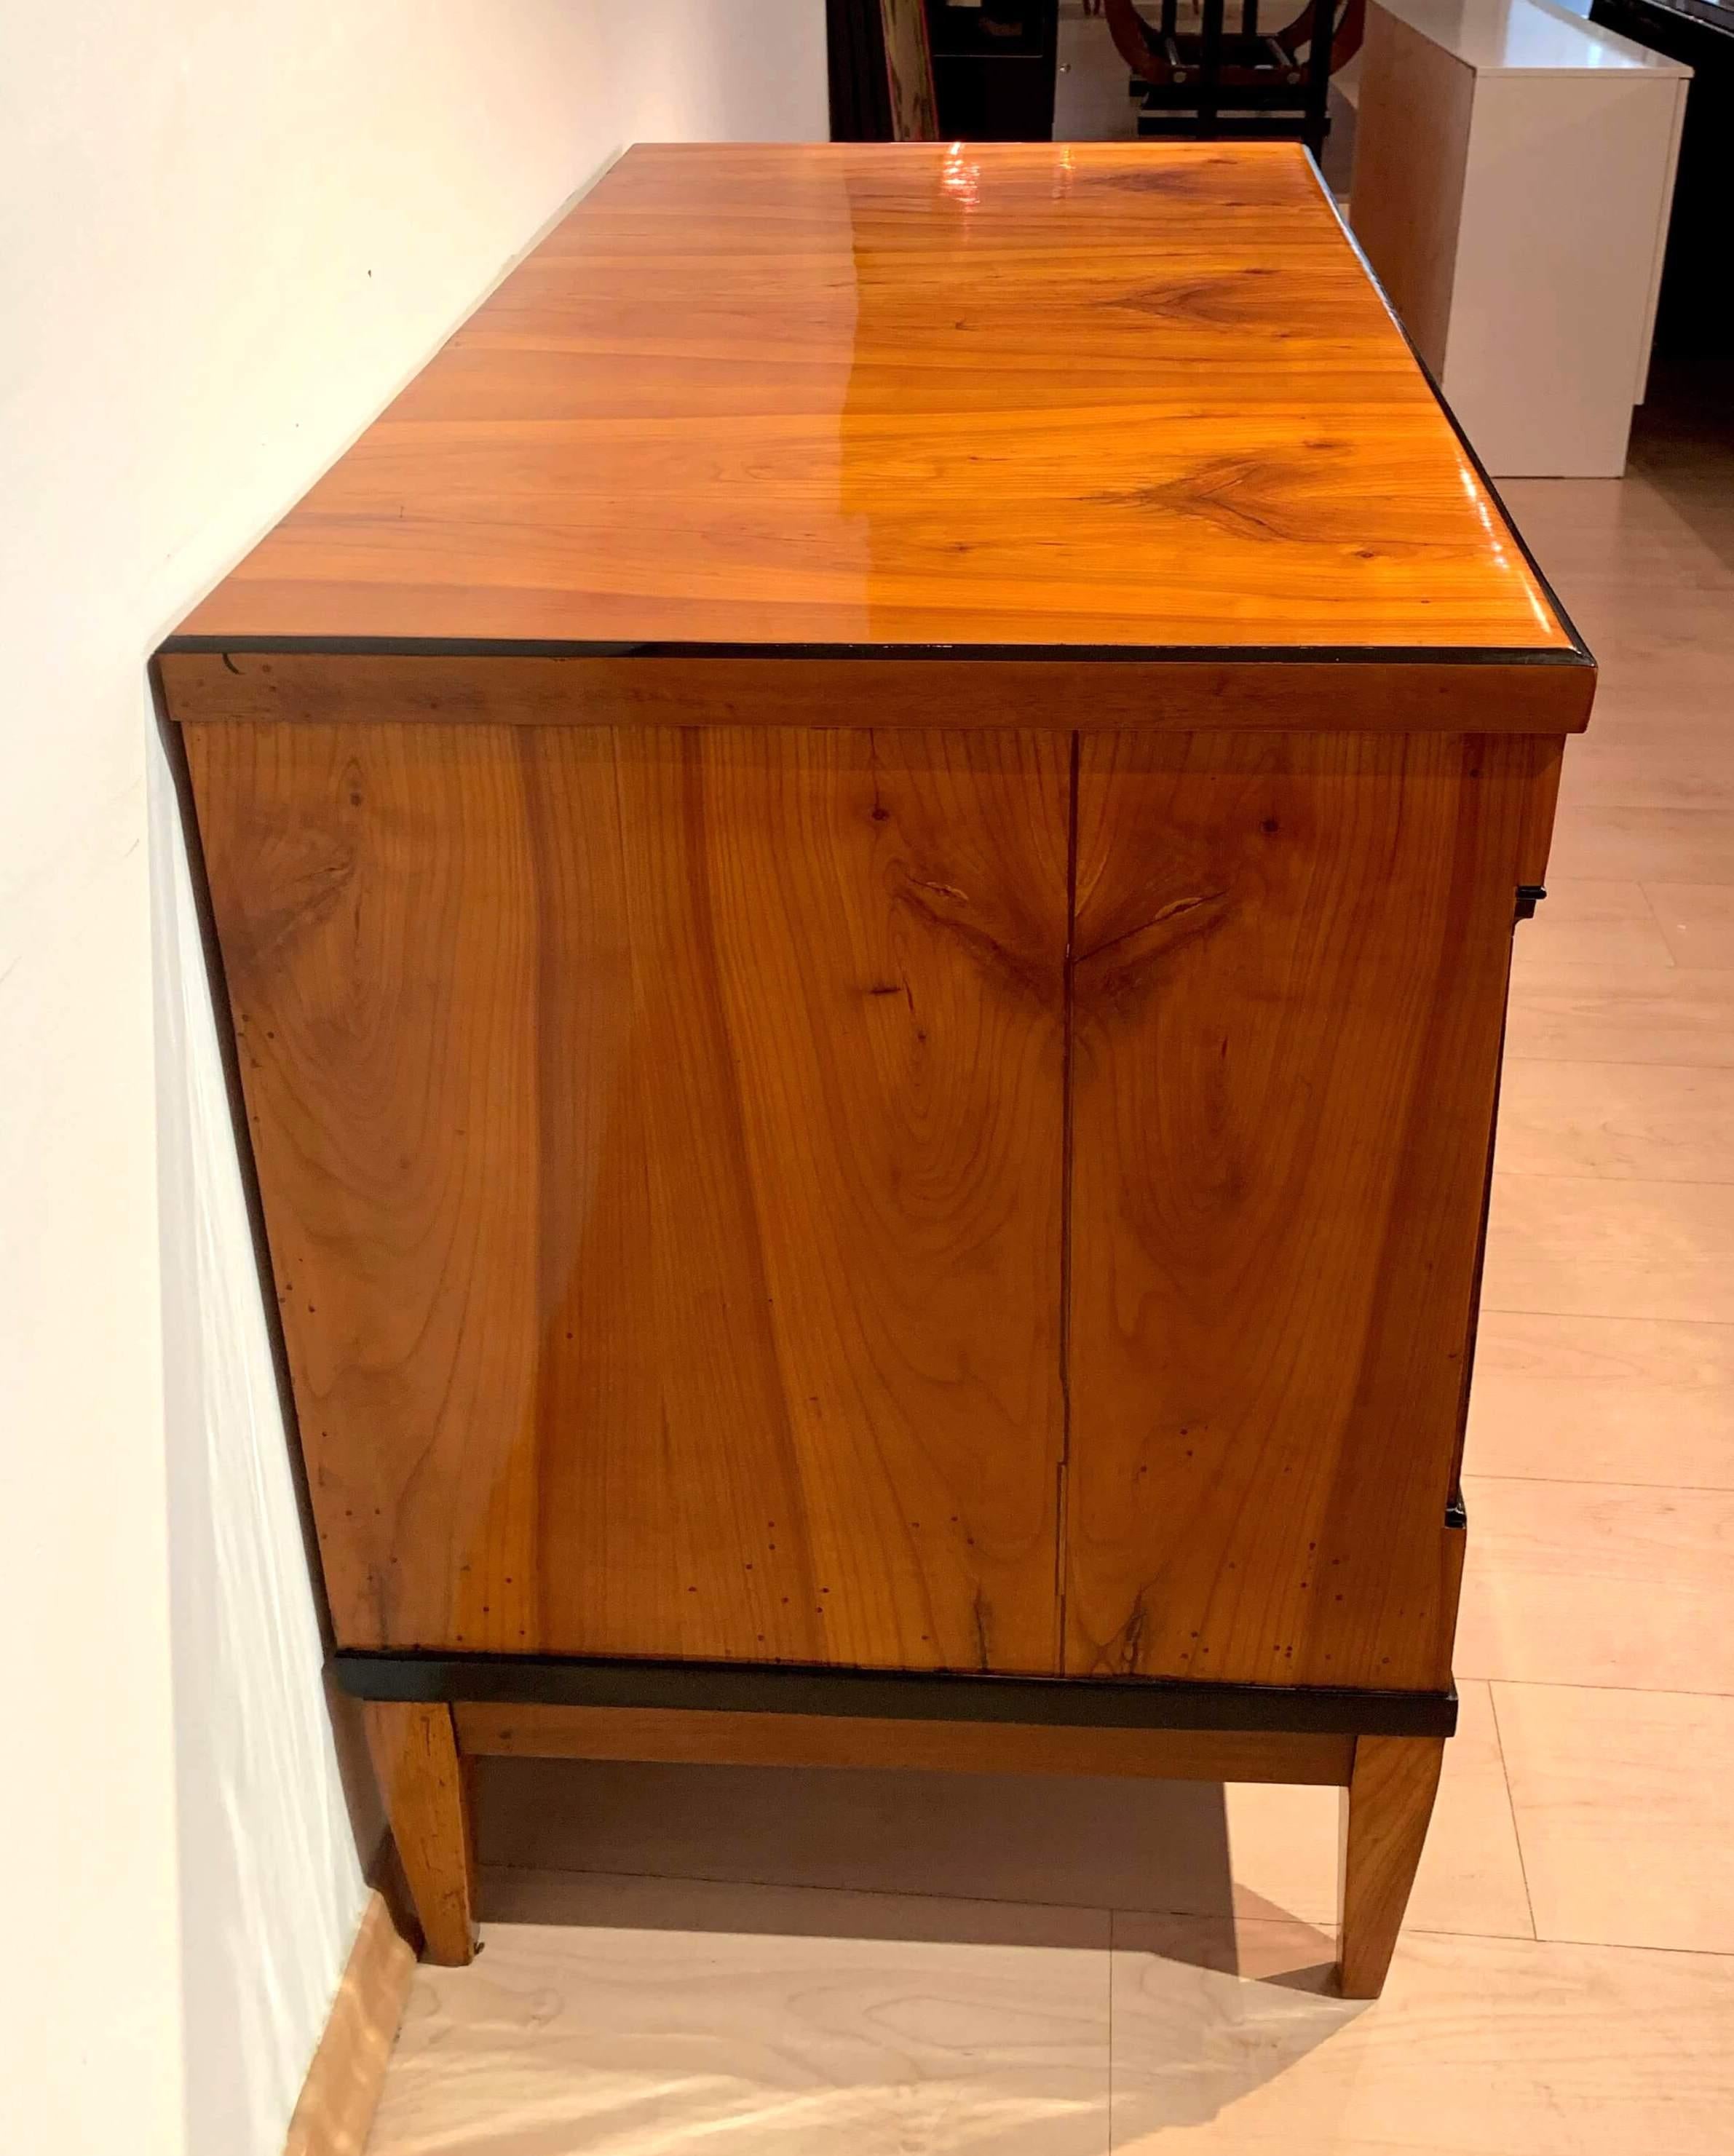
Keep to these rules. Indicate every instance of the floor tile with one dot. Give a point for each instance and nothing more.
(1597, 1246)
(1624, 1803)
(655, 2016)
(1617, 522)
(1684, 609)
(1608, 844)
(1644, 1014)
(1598, 1584)
(1667, 1122)
(1480, 2047)
(1667, 680)
(1609, 923)
(1600, 1399)
(1636, 755)
(1675, 633)
(1687, 690)
(1590, 534)
(1697, 921)
(1676, 611)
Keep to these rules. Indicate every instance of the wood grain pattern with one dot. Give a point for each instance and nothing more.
(1091, 393)
(340, 2093)
(426, 1787)
(1172, 695)
(662, 1142)
(1291, 960)
(1386, 1810)
(818, 1740)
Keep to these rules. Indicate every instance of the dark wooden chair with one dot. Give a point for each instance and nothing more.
(1240, 83)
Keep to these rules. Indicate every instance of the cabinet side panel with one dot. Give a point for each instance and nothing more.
(1412, 137)
(374, 909)
(1290, 972)
(660, 1138)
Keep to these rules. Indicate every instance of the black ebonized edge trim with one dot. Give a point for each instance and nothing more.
(1130, 655)
(895, 1695)
(1580, 650)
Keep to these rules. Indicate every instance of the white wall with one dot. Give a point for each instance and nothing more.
(235, 226)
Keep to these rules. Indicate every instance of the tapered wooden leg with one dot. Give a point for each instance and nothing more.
(425, 1783)
(1385, 1813)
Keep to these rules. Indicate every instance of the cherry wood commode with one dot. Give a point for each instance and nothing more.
(865, 856)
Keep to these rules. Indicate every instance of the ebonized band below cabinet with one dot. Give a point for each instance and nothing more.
(865, 856)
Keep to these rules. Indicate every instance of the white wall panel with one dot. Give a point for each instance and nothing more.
(232, 229)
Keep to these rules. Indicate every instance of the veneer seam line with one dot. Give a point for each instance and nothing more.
(1068, 1094)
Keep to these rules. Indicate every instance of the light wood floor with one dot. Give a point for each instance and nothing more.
(725, 1959)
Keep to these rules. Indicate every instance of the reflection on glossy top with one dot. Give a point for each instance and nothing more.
(1102, 395)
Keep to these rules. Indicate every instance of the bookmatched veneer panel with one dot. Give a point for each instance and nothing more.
(662, 1135)
(1290, 975)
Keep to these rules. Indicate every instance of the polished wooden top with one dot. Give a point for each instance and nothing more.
(1121, 397)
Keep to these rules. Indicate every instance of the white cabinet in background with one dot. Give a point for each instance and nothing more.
(1513, 166)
